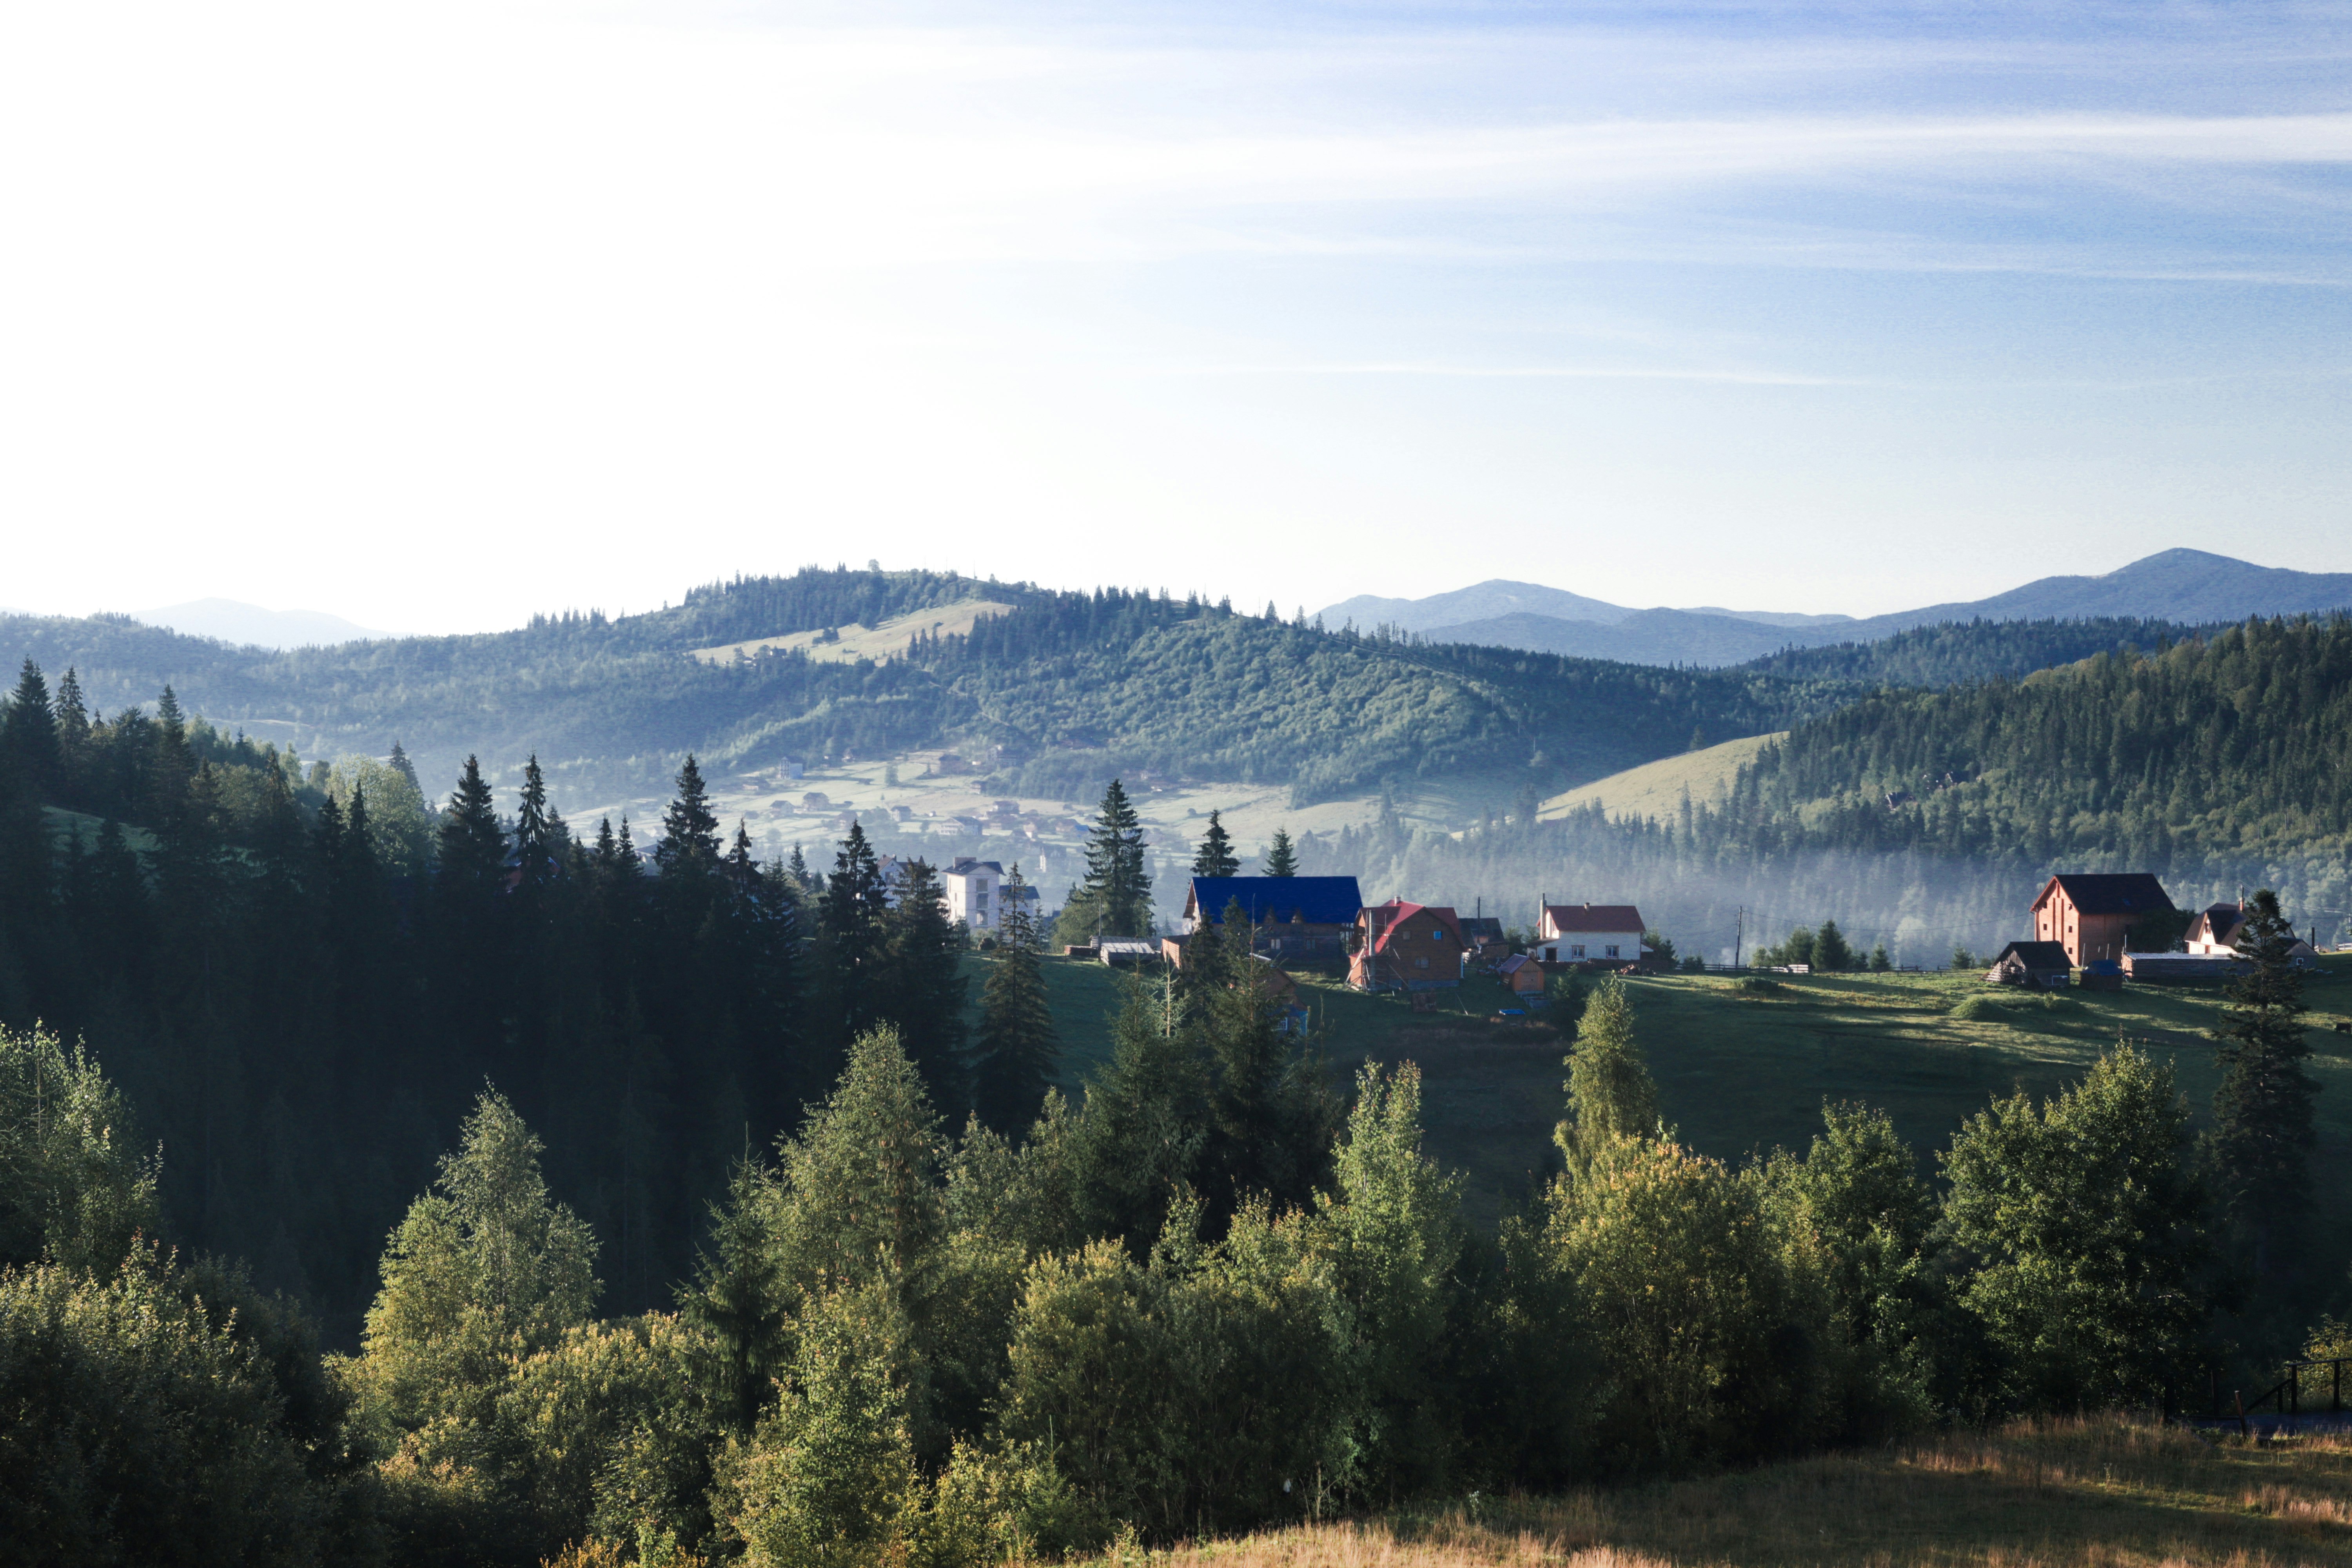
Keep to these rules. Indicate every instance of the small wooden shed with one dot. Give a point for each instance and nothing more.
(2042, 963)
(1523, 974)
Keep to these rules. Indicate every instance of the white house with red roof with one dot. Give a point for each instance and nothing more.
(1404, 946)
(1589, 934)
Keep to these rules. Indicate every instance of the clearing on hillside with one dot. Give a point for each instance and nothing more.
(1656, 789)
(858, 642)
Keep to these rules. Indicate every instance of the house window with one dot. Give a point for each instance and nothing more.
(1613, 949)
(1576, 952)
(1421, 963)
(1551, 955)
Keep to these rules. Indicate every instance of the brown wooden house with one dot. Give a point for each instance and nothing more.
(1402, 946)
(2090, 915)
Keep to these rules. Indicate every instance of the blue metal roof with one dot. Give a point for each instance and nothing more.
(1318, 900)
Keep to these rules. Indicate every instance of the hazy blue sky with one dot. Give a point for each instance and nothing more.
(432, 315)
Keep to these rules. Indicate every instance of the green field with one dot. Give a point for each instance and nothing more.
(1739, 1072)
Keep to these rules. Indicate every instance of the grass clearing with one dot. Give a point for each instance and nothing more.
(2114, 1492)
(1656, 789)
(855, 642)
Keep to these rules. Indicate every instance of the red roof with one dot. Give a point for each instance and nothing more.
(1594, 917)
(1386, 918)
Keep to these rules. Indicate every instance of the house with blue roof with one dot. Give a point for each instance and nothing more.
(1289, 917)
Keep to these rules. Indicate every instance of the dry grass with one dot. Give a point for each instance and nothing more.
(2100, 1494)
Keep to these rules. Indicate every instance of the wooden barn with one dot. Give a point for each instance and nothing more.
(2092, 915)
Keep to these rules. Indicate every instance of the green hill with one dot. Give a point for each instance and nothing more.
(1067, 688)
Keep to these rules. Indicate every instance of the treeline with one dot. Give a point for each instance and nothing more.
(1207, 1298)
(304, 977)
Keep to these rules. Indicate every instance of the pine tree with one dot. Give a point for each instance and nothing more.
(690, 831)
(1281, 860)
(2261, 1144)
(1018, 1052)
(1216, 856)
(1832, 951)
(1117, 887)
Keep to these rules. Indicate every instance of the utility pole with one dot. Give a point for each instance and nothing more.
(1739, 940)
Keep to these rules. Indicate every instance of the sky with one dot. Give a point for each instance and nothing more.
(432, 316)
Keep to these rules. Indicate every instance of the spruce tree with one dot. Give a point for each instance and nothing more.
(1018, 1052)
(1609, 1091)
(1117, 886)
(471, 862)
(73, 725)
(28, 731)
(538, 832)
(856, 900)
(690, 831)
(922, 986)
(2260, 1147)
(1832, 951)
(1281, 860)
(1216, 856)
(400, 764)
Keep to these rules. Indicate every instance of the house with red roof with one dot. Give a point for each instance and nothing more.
(1404, 946)
(1604, 935)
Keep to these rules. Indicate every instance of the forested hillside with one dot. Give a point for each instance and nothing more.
(1074, 687)
(1954, 653)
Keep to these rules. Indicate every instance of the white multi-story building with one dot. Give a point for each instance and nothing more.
(975, 892)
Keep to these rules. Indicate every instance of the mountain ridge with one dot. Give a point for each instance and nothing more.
(2180, 586)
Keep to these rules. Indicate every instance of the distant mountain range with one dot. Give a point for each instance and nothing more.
(2187, 586)
(251, 625)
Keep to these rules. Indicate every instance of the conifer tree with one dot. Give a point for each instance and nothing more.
(28, 732)
(400, 764)
(1832, 951)
(1281, 860)
(73, 728)
(923, 984)
(1018, 1051)
(856, 901)
(1216, 856)
(690, 831)
(538, 832)
(471, 859)
(1118, 888)
(2261, 1144)
(1609, 1091)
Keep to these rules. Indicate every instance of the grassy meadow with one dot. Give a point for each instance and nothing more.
(1738, 1071)
(2107, 1492)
